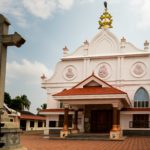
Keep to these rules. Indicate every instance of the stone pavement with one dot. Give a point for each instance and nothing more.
(36, 142)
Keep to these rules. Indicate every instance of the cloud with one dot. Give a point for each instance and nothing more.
(46, 8)
(65, 4)
(92, 1)
(13, 8)
(141, 9)
(27, 71)
(40, 8)
(86, 1)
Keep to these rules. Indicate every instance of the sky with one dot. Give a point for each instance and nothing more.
(50, 25)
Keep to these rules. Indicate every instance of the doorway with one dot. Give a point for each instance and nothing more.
(23, 124)
(101, 121)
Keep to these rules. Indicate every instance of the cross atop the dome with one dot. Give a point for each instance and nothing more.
(105, 5)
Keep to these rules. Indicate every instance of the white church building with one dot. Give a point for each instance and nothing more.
(102, 87)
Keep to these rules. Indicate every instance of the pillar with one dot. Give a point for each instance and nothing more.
(75, 122)
(116, 132)
(64, 132)
(66, 119)
(4, 24)
(115, 119)
(118, 119)
(6, 40)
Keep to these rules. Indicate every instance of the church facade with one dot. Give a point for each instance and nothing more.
(102, 87)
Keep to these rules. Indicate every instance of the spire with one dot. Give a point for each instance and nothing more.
(146, 45)
(105, 19)
(65, 51)
(43, 77)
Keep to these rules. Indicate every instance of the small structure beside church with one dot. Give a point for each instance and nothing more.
(31, 122)
(24, 120)
(102, 87)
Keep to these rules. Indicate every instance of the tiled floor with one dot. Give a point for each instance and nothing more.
(35, 142)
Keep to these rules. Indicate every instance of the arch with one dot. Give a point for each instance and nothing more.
(141, 98)
(141, 95)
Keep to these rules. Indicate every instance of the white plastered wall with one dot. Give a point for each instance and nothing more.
(104, 48)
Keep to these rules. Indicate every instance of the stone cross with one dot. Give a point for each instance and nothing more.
(6, 40)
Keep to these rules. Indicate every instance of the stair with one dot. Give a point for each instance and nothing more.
(88, 136)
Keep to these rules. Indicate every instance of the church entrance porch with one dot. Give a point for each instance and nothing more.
(101, 104)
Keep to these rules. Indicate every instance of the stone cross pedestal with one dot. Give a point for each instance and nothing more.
(11, 137)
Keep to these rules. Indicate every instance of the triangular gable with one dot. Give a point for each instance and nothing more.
(93, 84)
(92, 81)
(90, 86)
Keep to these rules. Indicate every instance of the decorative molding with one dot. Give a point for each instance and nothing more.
(13, 139)
(70, 73)
(104, 42)
(103, 70)
(138, 69)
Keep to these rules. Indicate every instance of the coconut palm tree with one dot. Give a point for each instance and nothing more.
(25, 102)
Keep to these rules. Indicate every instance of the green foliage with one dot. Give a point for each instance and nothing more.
(44, 106)
(7, 99)
(19, 103)
(25, 102)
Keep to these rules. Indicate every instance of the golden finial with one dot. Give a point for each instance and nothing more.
(105, 19)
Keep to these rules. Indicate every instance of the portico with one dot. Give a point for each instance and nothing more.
(101, 104)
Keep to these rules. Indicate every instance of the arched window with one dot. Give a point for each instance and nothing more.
(141, 98)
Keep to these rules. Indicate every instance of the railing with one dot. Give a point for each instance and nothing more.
(140, 104)
(139, 124)
(59, 123)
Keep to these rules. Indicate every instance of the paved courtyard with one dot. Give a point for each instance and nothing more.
(35, 142)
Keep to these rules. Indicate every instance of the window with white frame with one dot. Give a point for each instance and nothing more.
(141, 98)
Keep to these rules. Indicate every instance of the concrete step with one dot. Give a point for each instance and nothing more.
(88, 137)
(82, 137)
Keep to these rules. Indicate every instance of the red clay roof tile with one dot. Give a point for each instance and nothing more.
(32, 117)
(52, 110)
(90, 91)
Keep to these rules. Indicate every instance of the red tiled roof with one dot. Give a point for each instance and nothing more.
(32, 117)
(90, 91)
(136, 109)
(52, 110)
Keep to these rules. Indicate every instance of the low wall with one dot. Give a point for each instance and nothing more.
(136, 132)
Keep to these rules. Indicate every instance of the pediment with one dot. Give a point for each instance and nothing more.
(92, 81)
(93, 84)
(104, 42)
